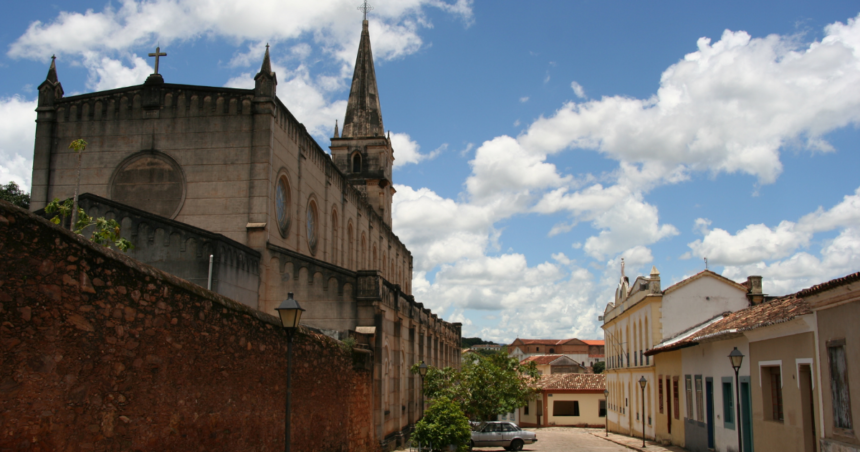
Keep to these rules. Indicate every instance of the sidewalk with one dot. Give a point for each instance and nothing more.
(633, 443)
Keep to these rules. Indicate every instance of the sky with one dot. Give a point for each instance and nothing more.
(536, 143)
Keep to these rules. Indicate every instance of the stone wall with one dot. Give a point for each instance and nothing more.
(101, 352)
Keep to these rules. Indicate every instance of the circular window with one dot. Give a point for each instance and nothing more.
(312, 226)
(282, 205)
(149, 181)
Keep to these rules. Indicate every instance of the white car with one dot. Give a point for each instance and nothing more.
(504, 434)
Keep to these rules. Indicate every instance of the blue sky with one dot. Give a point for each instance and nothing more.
(536, 143)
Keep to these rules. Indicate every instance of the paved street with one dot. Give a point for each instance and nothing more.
(558, 439)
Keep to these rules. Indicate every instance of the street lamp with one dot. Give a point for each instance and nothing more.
(422, 370)
(606, 401)
(290, 313)
(642, 383)
(737, 359)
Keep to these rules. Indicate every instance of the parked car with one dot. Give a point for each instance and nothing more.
(504, 434)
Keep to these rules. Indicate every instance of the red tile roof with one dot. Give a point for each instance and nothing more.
(829, 285)
(541, 359)
(773, 312)
(583, 382)
(593, 341)
(544, 341)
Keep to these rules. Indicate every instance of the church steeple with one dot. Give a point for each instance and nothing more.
(265, 82)
(363, 113)
(51, 89)
(362, 152)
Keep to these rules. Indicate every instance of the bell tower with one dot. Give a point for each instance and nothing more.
(362, 151)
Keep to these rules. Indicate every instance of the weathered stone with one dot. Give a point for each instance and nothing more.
(52, 291)
(69, 281)
(46, 268)
(86, 285)
(80, 323)
(26, 313)
(98, 282)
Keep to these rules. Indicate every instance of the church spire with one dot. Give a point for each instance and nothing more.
(336, 133)
(52, 71)
(265, 82)
(363, 113)
(51, 89)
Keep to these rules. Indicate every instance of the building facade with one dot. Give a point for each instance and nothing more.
(640, 327)
(197, 173)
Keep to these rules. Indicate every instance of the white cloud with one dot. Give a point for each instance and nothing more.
(106, 73)
(728, 107)
(838, 257)
(524, 99)
(407, 151)
(17, 129)
(758, 242)
(577, 89)
(136, 22)
(502, 167)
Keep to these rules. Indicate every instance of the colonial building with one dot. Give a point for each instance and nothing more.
(645, 317)
(836, 308)
(225, 187)
(586, 352)
(567, 399)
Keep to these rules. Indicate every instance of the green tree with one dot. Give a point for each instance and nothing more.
(485, 387)
(12, 193)
(599, 367)
(104, 232)
(443, 424)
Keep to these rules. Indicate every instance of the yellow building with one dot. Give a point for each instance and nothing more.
(629, 331)
(567, 400)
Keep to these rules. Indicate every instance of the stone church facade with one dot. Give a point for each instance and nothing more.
(192, 172)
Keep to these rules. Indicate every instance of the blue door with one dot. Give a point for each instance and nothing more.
(709, 399)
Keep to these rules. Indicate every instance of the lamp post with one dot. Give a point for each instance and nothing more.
(606, 401)
(422, 370)
(642, 383)
(290, 313)
(737, 359)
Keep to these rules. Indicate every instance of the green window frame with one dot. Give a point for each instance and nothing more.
(728, 402)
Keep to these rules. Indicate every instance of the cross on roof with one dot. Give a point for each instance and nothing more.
(158, 53)
(365, 8)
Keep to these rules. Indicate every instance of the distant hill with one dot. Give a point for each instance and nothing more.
(469, 342)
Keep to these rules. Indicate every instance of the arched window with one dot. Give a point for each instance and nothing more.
(384, 268)
(282, 205)
(552, 350)
(350, 246)
(356, 163)
(375, 263)
(312, 226)
(363, 260)
(334, 237)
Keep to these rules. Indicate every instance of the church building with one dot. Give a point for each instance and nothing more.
(225, 188)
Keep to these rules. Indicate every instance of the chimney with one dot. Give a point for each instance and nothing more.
(655, 280)
(754, 294)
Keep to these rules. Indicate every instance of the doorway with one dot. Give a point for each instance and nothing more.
(709, 405)
(807, 407)
(746, 414)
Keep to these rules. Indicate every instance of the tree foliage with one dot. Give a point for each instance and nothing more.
(599, 367)
(12, 193)
(104, 232)
(485, 387)
(443, 424)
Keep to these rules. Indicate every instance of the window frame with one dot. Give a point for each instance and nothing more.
(848, 427)
(728, 402)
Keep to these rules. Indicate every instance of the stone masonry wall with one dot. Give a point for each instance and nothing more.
(101, 352)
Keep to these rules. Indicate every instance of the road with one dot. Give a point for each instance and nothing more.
(558, 439)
